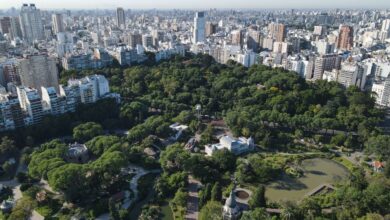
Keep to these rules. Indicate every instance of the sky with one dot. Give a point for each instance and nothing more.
(196, 4)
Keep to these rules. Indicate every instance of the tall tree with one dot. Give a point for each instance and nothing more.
(257, 199)
(216, 192)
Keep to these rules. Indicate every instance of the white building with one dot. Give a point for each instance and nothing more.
(64, 43)
(90, 88)
(280, 47)
(236, 146)
(51, 102)
(30, 103)
(352, 74)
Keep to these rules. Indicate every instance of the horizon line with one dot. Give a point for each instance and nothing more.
(213, 8)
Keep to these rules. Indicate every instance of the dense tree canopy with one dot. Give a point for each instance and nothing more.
(87, 131)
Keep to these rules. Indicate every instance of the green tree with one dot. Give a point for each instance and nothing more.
(380, 145)
(87, 131)
(216, 192)
(256, 214)
(180, 198)
(99, 144)
(212, 210)
(112, 207)
(224, 160)
(70, 179)
(7, 148)
(174, 158)
(257, 199)
(23, 208)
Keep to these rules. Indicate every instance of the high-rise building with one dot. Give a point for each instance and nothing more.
(277, 31)
(211, 28)
(31, 23)
(345, 38)
(326, 62)
(386, 25)
(31, 104)
(11, 115)
(64, 43)
(199, 27)
(254, 40)
(5, 25)
(323, 47)
(91, 88)
(268, 43)
(71, 93)
(319, 30)
(385, 31)
(352, 74)
(157, 37)
(10, 72)
(147, 40)
(58, 23)
(120, 17)
(38, 71)
(133, 40)
(51, 103)
(16, 30)
(280, 47)
(237, 37)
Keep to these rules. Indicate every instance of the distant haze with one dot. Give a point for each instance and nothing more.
(189, 4)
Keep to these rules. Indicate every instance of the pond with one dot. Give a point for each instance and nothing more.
(316, 172)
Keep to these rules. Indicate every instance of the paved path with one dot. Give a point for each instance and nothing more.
(15, 185)
(193, 199)
(133, 187)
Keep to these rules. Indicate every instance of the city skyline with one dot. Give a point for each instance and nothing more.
(199, 4)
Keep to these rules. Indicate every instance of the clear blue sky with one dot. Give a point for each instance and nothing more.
(188, 4)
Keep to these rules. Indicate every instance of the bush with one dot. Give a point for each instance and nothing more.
(25, 186)
(45, 211)
(21, 177)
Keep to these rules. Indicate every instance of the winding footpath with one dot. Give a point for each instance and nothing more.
(133, 187)
(15, 185)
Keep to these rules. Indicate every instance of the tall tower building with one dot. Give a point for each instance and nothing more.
(120, 17)
(199, 27)
(58, 24)
(31, 23)
(386, 25)
(345, 39)
(385, 31)
(16, 30)
(37, 71)
(5, 25)
(277, 31)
